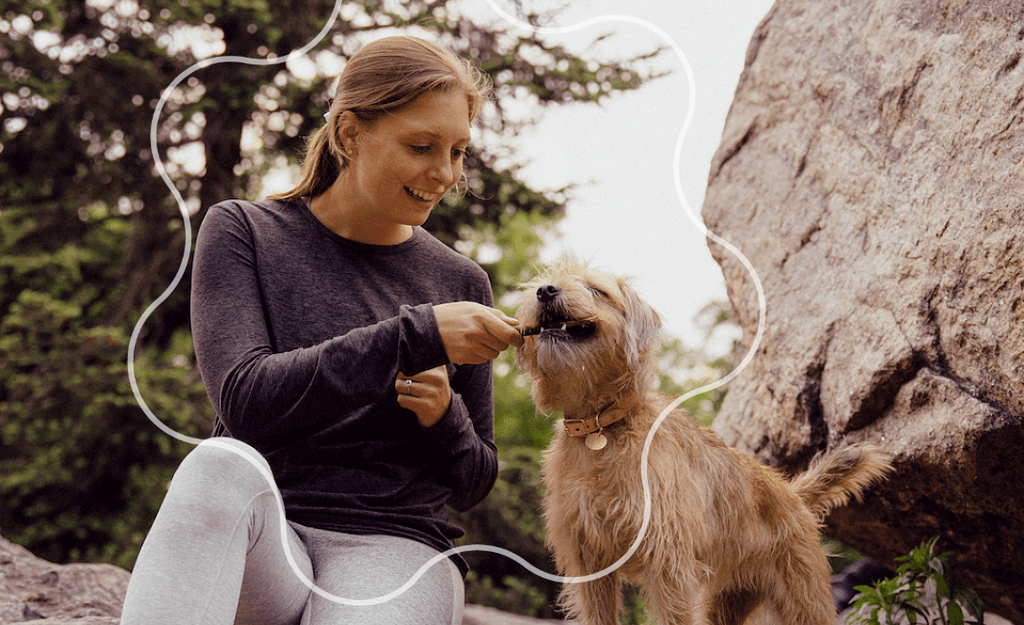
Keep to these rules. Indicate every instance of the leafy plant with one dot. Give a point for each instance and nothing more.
(82, 472)
(922, 591)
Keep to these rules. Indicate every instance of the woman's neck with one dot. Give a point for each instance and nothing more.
(335, 210)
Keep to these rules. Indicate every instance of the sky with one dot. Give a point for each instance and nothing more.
(625, 215)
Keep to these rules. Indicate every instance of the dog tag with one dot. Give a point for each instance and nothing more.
(596, 441)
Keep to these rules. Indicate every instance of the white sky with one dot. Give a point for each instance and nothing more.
(625, 215)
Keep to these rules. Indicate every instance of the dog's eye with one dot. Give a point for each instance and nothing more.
(596, 291)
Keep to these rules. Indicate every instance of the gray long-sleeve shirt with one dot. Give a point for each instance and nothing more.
(299, 335)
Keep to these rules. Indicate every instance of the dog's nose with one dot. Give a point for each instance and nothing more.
(547, 293)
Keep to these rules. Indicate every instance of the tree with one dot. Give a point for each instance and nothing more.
(90, 235)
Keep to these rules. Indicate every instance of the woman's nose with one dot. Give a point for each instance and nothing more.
(443, 171)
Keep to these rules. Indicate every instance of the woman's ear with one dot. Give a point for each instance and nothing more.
(350, 131)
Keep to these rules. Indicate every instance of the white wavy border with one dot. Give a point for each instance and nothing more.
(676, 162)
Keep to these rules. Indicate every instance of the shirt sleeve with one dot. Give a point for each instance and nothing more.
(267, 398)
(464, 438)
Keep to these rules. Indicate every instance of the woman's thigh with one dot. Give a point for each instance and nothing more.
(357, 567)
(217, 550)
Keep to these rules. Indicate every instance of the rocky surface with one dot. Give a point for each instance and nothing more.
(480, 615)
(32, 589)
(872, 171)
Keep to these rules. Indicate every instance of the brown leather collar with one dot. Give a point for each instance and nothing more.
(578, 428)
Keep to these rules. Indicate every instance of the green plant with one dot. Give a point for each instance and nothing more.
(82, 471)
(923, 590)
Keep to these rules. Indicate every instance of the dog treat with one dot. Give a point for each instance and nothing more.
(562, 325)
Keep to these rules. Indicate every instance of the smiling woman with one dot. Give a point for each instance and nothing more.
(347, 354)
(388, 75)
(399, 168)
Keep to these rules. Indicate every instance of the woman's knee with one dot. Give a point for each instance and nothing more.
(227, 458)
(221, 473)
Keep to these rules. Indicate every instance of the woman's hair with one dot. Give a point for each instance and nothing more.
(380, 78)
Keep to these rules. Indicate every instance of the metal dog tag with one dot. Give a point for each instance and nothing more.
(596, 441)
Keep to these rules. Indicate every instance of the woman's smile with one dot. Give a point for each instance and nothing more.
(415, 153)
(423, 196)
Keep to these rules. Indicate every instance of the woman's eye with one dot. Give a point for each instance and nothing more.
(457, 153)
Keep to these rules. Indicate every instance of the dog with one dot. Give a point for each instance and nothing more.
(728, 540)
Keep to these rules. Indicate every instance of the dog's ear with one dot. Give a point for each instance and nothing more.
(644, 326)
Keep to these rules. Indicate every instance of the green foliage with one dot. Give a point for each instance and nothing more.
(923, 590)
(634, 607)
(682, 369)
(82, 472)
(517, 422)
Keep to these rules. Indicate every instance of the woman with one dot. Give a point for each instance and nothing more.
(348, 352)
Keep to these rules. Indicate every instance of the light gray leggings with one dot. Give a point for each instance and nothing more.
(215, 556)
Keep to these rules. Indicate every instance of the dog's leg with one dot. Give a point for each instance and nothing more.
(794, 611)
(597, 602)
(672, 598)
(801, 594)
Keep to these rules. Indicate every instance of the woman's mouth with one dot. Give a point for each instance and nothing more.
(422, 196)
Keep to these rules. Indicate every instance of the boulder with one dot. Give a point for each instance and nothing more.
(872, 172)
(32, 589)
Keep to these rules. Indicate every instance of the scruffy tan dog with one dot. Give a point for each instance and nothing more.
(727, 539)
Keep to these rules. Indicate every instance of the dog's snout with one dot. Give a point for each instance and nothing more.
(548, 293)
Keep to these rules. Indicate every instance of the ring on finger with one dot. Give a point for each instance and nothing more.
(408, 387)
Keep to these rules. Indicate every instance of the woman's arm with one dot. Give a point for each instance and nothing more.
(263, 397)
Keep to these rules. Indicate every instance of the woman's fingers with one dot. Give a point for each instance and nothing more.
(428, 394)
(473, 333)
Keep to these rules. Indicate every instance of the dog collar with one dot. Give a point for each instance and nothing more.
(593, 427)
(578, 428)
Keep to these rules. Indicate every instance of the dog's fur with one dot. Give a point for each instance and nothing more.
(728, 539)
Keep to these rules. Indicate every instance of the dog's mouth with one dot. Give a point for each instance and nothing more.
(563, 328)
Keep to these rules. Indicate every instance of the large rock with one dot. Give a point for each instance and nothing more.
(872, 171)
(32, 589)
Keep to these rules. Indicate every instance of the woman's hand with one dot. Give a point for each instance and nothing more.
(428, 394)
(473, 333)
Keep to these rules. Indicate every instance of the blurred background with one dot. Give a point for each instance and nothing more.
(574, 153)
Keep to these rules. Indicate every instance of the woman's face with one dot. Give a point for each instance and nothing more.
(405, 162)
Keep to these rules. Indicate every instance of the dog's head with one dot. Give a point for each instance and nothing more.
(589, 338)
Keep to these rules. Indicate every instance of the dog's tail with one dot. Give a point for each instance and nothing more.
(834, 477)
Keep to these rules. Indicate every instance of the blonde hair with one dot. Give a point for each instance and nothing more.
(382, 77)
